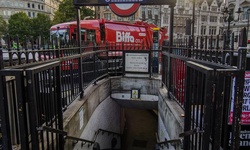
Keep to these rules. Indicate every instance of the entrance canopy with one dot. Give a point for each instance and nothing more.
(107, 2)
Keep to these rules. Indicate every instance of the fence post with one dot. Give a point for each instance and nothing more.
(232, 41)
(32, 106)
(94, 61)
(5, 124)
(80, 51)
(59, 99)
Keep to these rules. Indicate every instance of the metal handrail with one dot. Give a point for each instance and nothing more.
(166, 142)
(57, 131)
(84, 141)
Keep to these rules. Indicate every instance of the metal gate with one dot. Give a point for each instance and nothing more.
(31, 98)
(208, 96)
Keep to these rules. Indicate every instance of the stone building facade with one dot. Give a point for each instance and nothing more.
(30, 7)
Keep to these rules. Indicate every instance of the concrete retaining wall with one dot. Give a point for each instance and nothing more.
(170, 114)
(146, 85)
(80, 111)
(96, 110)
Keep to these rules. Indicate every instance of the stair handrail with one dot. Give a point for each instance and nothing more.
(65, 134)
(102, 130)
(166, 142)
(76, 139)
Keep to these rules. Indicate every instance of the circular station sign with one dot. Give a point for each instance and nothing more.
(124, 10)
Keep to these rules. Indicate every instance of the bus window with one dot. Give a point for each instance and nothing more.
(60, 34)
(91, 36)
(83, 34)
(73, 36)
(102, 32)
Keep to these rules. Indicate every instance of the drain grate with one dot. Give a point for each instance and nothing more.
(140, 143)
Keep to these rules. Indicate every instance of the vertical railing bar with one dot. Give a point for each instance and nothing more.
(37, 92)
(32, 110)
(194, 84)
(207, 115)
(42, 140)
(197, 107)
(202, 95)
(50, 105)
(187, 126)
(14, 106)
(226, 109)
(238, 99)
(219, 113)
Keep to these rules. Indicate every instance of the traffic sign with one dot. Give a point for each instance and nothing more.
(124, 10)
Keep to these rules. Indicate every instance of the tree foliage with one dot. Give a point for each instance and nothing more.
(41, 25)
(3, 27)
(67, 12)
(19, 24)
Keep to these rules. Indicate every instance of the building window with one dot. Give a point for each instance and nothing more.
(212, 30)
(204, 18)
(221, 19)
(38, 6)
(8, 3)
(29, 14)
(2, 3)
(107, 7)
(165, 10)
(21, 4)
(34, 14)
(204, 8)
(203, 30)
(165, 20)
(33, 5)
(28, 5)
(213, 18)
(143, 14)
(149, 14)
(244, 13)
(213, 8)
(131, 18)
(107, 16)
(9, 13)
(156, 20)
(119, 18)
(42, 7)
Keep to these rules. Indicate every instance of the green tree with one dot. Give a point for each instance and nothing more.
(20, 24)
(3, 27)
(41, 25)
(67, 12)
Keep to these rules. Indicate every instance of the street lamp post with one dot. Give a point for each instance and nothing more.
(229, 18)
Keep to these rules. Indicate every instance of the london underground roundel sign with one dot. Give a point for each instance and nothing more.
(124, 10)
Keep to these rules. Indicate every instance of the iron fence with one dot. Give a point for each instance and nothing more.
(199, 77)
(41, 78)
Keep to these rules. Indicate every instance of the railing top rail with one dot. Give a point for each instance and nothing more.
(64, 134)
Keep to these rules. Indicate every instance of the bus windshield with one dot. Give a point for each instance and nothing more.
(61, 34)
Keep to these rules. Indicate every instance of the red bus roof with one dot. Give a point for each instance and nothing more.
(95, 23)
(90, 24)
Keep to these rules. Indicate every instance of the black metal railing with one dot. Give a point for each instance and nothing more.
(199, 78)
(55, 134)
(42, 77)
